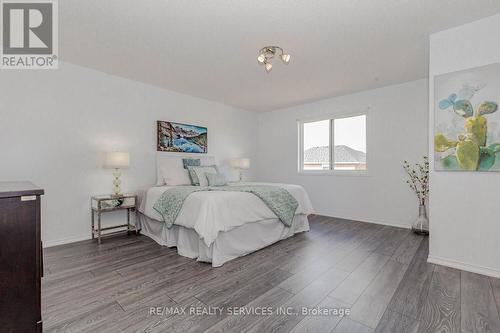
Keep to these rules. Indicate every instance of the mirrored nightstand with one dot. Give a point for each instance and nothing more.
(108, 203)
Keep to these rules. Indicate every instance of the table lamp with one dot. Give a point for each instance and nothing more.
(117, 160)
(240, 164)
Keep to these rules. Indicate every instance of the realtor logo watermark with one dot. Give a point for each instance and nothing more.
(29, 34)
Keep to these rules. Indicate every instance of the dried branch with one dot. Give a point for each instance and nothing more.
(418, 179)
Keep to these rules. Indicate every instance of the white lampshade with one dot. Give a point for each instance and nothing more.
(269, 67)
(240, 163)
(117, 160)
(285, 58)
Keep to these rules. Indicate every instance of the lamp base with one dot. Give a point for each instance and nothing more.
(117, 183)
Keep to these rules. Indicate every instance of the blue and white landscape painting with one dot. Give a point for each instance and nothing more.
(175, 137)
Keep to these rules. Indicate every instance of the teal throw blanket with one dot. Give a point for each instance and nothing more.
(279, 200)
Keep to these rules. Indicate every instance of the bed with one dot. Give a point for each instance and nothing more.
(216, 226)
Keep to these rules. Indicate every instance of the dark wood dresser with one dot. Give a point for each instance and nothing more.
(20, 257)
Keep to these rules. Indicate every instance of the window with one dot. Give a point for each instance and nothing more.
(333, 144)
(316, 145)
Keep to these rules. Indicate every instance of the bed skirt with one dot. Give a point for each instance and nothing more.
(229, 245)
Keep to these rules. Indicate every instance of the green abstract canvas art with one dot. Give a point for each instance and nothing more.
(467, 120)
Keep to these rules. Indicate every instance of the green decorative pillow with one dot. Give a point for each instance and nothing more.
(195, 181)
(192, 175)
(216, 179)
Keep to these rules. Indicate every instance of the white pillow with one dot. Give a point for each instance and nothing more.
(201, 171)
(176, 177)
(172, 172)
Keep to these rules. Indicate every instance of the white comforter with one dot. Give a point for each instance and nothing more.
(210, 212)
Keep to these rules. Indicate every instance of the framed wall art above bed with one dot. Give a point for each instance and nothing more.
(181, 138)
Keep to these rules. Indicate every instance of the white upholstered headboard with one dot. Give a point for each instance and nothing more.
(170, 165)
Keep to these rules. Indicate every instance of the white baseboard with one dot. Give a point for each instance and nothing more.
(87, 237)
(65, 241)
(464, 266)
(361, 219)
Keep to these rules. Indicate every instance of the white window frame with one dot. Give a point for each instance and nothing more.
(331, 118)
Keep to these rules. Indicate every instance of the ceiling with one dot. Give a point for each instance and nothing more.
(208, 48)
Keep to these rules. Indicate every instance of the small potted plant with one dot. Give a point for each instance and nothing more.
(419, 183)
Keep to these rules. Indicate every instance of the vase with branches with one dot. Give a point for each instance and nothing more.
(418, 180)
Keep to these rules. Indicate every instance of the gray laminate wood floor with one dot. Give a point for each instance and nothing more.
(380, 273)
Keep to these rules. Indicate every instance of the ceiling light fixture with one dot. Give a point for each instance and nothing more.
(269, 52)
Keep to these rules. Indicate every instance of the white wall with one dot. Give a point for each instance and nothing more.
(55, 124)
(397, 130)
(464, 207)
